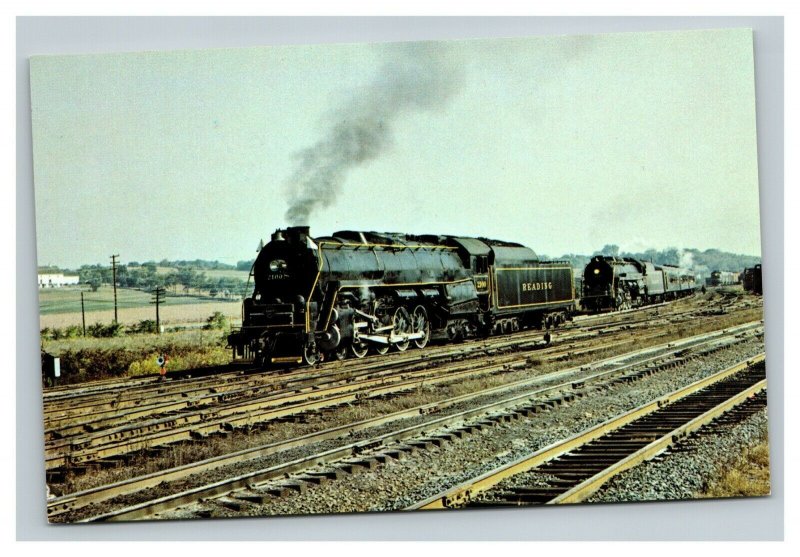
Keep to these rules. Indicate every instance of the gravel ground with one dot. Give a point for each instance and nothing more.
(398, 484)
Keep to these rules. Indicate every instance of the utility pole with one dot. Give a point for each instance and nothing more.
(158, 297)
(83, 316)
(114, 282)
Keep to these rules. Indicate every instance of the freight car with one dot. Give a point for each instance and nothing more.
(356, 292)
(751, 279)
(723, 278)
(624, 282)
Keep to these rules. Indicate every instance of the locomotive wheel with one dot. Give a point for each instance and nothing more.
(310, 355)
(420, 324)
(359, 349)
(381, 349)
(401, 325)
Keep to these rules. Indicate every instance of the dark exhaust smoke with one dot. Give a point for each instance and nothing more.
(420, 77)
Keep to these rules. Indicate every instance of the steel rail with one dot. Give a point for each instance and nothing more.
(61, 437)
(77, 420)
(122, 440)
(81, 499)
(96, 388)
(111, 402)
(467, 491)
(126, 439)
(585, 489)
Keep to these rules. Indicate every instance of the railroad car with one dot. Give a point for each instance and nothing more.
(751, 279)
(612, 283)
(723, 278)
(354, 292)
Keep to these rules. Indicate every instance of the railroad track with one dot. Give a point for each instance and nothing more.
(87, 405)
(95, 436)
(575, 382)
(570, 471)
(189, 418)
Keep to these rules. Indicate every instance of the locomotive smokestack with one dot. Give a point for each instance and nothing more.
(422, 78)
(297, 234)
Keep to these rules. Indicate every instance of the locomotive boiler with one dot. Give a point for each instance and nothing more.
(355, 292)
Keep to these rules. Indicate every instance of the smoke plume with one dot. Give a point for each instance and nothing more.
(685, 259)
(421, 77)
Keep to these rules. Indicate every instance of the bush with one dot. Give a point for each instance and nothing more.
(146, 326)
(98, 330)
(72, 331)
(216, 321)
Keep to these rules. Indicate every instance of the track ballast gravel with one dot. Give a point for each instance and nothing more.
(398, 484)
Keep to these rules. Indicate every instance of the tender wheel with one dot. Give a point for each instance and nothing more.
(359, 349)
(401, 325)
(420, 324)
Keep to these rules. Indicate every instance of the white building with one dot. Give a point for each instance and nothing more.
(56, 280)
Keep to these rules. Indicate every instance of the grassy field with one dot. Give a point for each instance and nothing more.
(68, 299)
(210, 273)
(60, 307)
(87, 359)
(227, 273)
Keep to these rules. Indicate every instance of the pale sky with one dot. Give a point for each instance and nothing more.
(561, 143)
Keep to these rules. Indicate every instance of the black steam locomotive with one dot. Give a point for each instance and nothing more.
(751, 280)
(352, 292)
(623, 282)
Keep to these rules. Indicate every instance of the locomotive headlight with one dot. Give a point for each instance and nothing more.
(597, 271)
(277, 265)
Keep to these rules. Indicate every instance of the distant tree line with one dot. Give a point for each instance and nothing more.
(145, 276)
(204, 264)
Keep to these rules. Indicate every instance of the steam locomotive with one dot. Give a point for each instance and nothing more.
(623, 282)
(723, 278)
(751, 280)
(356, 292)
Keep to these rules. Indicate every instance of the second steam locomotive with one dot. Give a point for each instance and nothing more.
(352, 292)
(623, 282)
